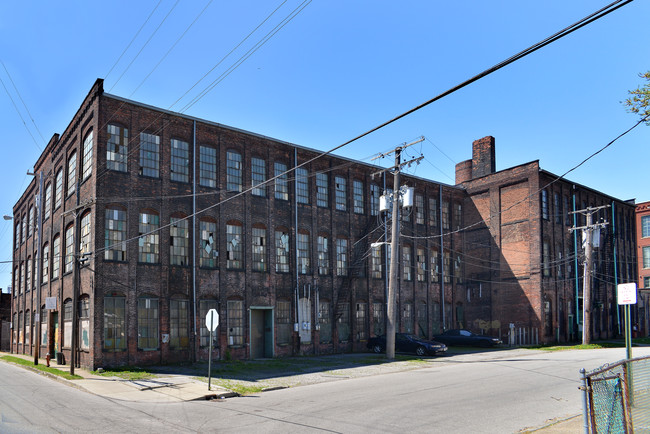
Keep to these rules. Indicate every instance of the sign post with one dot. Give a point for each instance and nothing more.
(626, 295)
(211, 322)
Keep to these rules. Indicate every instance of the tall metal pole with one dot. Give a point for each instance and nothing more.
(392, 283)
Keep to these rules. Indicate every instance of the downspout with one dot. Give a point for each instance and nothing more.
(194, 237)
(618, 311)
(442, 263)
(575, 256)
(295, 234)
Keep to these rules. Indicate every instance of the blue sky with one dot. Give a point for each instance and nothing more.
(336, 70)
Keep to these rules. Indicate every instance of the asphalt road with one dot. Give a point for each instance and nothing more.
(492, 392)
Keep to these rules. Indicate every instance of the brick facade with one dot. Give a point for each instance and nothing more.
(176, 227)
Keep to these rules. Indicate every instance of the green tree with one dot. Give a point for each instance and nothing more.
(639, 100)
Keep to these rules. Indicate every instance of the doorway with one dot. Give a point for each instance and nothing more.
(261, 329)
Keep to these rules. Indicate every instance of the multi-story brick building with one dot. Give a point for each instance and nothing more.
(642, 224)
(151, 218)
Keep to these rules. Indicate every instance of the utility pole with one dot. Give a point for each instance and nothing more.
(588, 229)
(39, 273)
(394, 243)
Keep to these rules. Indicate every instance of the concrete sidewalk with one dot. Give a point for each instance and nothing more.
(167, 388)
(177, 387)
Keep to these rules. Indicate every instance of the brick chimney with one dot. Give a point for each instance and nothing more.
(483, 157)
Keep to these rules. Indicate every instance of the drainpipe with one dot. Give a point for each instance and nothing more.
(194, 240)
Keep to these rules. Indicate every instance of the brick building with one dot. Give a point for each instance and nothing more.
(642, 224)
(151, 218)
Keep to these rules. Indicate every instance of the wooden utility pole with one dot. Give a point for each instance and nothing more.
(394, 244)
(588, 229)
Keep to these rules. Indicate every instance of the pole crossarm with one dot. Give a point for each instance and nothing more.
(398, 167)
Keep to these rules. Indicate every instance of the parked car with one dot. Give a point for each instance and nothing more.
(466, 338)
(407, 343)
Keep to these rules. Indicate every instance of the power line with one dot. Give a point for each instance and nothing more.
(23, 101)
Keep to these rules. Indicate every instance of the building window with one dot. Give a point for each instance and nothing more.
(457, 269)
(259, 249)
(646, 257)
(433, 212)
(302, 185)
(44, 314)
(87, 161)
(304, 265)
(56, 257)
(67, 323)
(374, 199)
(179, 241)
(234, 247)
(58, 192)
(407, 317)
(281, 252)
(407, 265)
(23, 230)
(69, 249)
(180, 170)
(446, 267)
(544, 204)
(281, 181)
(341, 257)
(357, 196)
(149, 155)
(115, 235)
(204, 308)
(341, 193)
(45, 266)
(360, 322)
(72, 174)
(557, 212)
(283, 321)
(29, 275)
(258, 176)
(30, 223)
(322, 190)
(421, 265)
(419, 209)
(84, 323)
(47, 207)
(376, 265)
(423, 325)
(324, 321)
(378, 321)
(235, 323)
(567, 210)
(344, 322)
(207, 252)
(560, 262)
(546, 259)
(117, 149)
(445, 215)
(22, 277)
(149, 241)
(148, 323)
(114, 323)
(207, 166)
(178, 325)
(458, 216)
(28, 327)
(85, 235)
(646, 282)
(17, 235)
(233, 171)
(322, 246)
(645, 226)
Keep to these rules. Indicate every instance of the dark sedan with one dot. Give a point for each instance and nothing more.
(406, 343)
(467, 339)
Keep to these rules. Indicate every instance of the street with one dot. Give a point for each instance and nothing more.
(489, 392)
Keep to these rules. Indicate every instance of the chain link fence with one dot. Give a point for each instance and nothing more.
(618, 397)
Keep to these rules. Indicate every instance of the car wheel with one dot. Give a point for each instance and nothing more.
(420, 351)
(377, 348)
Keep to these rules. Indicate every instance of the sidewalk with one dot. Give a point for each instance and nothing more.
(181, 385)
(166, 388)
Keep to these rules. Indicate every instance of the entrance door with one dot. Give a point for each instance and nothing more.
(261, 333)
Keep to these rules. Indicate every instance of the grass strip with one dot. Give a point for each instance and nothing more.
(43, 368)
(130, 373)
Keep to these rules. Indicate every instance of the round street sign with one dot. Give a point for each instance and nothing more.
(212, 320)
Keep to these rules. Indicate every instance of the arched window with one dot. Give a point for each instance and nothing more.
(87, 162)
(67, 323)
(148, 323)
(258, 234)
(207, 250)
(234, 250)
(69, 249)
(47, 206)
(117, 148)
(58, 192)
(114, 323)
(149, 242)
(72, 174)
(178, 324)
(179, 241)
(115, 234)
(56, 256)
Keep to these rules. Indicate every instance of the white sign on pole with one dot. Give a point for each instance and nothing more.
(212, 320)
(626, 293)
